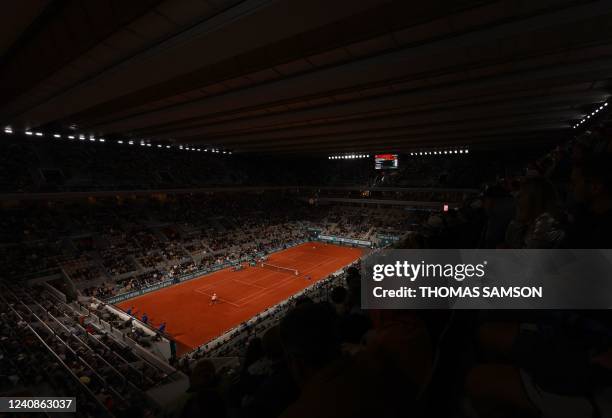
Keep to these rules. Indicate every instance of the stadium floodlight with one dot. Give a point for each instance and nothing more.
(8, 130)
(81, 137)
(148, 145)
(57, 136)
(167, 146)
(70, 136)
(92, 138)
(39, 134)
(29, 133)
(120, 142)
(466, 151)
(102, 140)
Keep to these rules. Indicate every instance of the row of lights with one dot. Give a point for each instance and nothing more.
(441, 152)
(348, 157)
(92, 138)
(587, 117)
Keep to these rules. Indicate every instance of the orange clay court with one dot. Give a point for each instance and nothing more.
(192, 320)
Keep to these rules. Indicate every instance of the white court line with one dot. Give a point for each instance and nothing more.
(225, 280)
(257, 295)
(220, 299)
(263, 290)
(248, 284)
(278, 283)
(203, 289)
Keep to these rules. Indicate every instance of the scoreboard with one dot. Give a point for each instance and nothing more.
(385, 161)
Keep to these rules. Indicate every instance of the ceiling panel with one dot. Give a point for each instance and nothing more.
(309, 75)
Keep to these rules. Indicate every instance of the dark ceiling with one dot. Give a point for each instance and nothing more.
(306, 75)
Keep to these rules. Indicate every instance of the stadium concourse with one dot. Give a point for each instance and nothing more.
(188, 188)
(193, 318)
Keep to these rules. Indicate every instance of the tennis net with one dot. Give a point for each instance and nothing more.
(280, 269)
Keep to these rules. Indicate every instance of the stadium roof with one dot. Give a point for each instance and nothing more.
(306, 75)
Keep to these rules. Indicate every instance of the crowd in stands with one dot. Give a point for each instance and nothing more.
(560, 200)
(321, 354)
(327, 357)
(318, 355)
(51, 347)
(152, 240)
